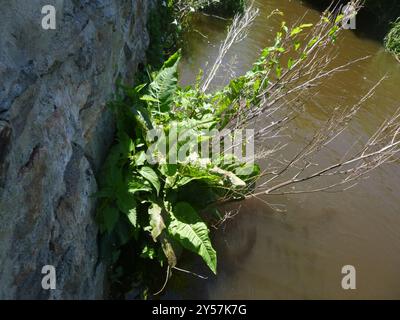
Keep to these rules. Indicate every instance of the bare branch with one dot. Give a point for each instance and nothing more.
(281, 98)
(236, 33)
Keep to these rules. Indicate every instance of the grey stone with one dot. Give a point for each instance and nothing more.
(55, 131)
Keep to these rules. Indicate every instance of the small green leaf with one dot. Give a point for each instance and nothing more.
(126, 144)
(148, 253)
(339, 18)
(312, 42)
(306, 25)
(326, 20)
(136, 185)
(150, 175)
(290, 63)
(295, 31)
(284, 27)
(132, 216)
(140, 158)
(278, 71)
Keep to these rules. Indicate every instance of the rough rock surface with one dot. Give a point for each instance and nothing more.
(54, 133)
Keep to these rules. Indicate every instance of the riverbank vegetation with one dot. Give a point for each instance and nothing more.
(149, 211)
(158, 205)
(392, 40)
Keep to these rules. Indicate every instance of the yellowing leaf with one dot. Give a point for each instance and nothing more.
(156, 221)
(234, 179)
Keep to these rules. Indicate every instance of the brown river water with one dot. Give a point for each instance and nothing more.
(299, 254)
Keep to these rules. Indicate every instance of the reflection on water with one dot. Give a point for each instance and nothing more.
(300, 254)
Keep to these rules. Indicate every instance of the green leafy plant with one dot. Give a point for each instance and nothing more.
(163, 206)
(392, 40)
(152, 205)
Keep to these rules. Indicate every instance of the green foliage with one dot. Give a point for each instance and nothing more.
(392, 40)
(152, 205)
(165, 84)
(155, 209)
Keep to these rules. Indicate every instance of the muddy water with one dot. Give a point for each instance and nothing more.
(300, 254)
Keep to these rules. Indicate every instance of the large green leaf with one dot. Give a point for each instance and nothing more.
(192, 233)
(150, 175)
(163, 87)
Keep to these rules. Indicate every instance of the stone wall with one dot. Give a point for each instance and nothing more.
(54, 133)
